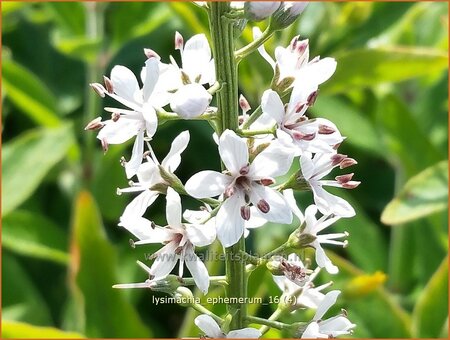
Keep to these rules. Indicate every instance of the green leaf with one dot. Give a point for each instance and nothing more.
(424, 194)
(26, 161)
(367, 67)
(21, 330)
(79, 47)
(93, 275)
(21, 300)
(29, 94)
(69, 16)
(33, 235)
(431, 310)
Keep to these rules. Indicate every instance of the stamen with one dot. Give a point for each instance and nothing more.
(244, 170)
(326, 130)
(306, 137)
(98, 88)
(115, 116)
(263, 206)
(243, 103)
(95, 124)
(344, 178)
(108, 84)
(337, 159)
(123, 161)
(229, 191)
(351, 185)
(104, 145)
(347, 162)
(312, 98)
(132, 243)
(245, 212)
(267, 181)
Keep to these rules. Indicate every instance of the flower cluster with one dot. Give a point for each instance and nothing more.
(247, 192)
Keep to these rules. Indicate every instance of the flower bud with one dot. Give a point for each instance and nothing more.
(288, 12)
(260, 10)
(190, 101)
(184, 296)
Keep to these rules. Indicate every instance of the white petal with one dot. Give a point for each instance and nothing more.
(120, 131)
(190, 101)
(273, 161)
(173, 158)
(195, 56)
(256, 34)
(132, 166)
(139, 204)
(290, 199)
(198, 271)
(148, 173)
(208, 326)
(300, 92)
(313, 332)
(323, 260)
(125, 83)
(142, 229)
(173, 209)
(201, 235)
(207, 184)
(150, 118)
(336, 326)
(164, 263)
(233, 151)
(307, 166)
(195, 216)
(272, 105)
(245, 333)
(331, 204)
(318, 72)
(229, 222)
(279, 212)
(328, 301)
(151, 77)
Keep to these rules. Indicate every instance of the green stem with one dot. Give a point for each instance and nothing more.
(94, 30)
(278, 312)
(250, 48)
(250, 133)
(271, 324)
(202, 310)
(214, 280)
(227, 101)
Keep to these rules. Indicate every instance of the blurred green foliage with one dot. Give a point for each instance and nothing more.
(62, 250)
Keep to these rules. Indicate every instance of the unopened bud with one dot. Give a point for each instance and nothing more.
(243, 103)
(260, 10)
(326, 130)
(179, 41)
(108, 84)
(184, 296)
(95, 124)
(98, 88)
(263, 206)
(287, 13)
(245, 212)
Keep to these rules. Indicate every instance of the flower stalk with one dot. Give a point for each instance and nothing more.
(221, 27)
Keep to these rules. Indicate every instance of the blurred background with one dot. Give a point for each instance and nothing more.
(61, 247)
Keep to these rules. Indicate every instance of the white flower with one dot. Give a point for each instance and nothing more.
(313, 227)
(295, 130)
(243, 184)
(329, 328)
(141, 116)
(179, 241)
(190, 101)
(315, 168)
(259, 10)
(148, 175)
(212, 330)
(293, 61)
(297, 285)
